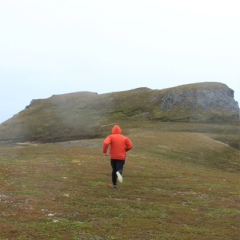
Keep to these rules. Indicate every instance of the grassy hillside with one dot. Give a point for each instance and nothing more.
(84, 115)
(179, 183)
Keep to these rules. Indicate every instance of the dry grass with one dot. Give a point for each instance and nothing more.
(177, 185)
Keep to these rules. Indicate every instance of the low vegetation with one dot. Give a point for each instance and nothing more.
(84, 115)
(180, 182)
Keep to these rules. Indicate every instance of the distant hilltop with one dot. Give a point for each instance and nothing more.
(83, 114)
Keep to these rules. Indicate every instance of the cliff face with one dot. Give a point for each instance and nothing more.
(201, 102)
(82, 115)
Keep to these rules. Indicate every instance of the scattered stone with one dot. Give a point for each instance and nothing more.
(51, 215)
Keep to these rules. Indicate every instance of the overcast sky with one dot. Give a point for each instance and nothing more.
(59, 46)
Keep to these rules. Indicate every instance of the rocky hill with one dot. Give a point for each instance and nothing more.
(84, 114)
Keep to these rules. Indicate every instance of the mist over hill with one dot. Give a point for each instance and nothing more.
(85, 114)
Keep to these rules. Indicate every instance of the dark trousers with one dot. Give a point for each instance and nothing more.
(117, 165)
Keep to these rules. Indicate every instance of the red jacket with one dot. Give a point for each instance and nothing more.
(119, 144)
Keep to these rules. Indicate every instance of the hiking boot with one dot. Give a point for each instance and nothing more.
(120, 178)
(114, 186)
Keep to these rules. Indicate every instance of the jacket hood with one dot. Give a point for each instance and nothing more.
(116, 130)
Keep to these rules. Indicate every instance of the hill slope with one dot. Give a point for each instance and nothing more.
(85, 114)
(177, 185)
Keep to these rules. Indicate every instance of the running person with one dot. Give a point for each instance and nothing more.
(119, 145)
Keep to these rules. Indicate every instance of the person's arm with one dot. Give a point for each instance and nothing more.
(106, 143)
(128, 144)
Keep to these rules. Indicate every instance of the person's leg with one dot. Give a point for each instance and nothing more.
(119, 168)
(114, 169)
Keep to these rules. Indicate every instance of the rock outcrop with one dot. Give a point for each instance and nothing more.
(201, 102)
